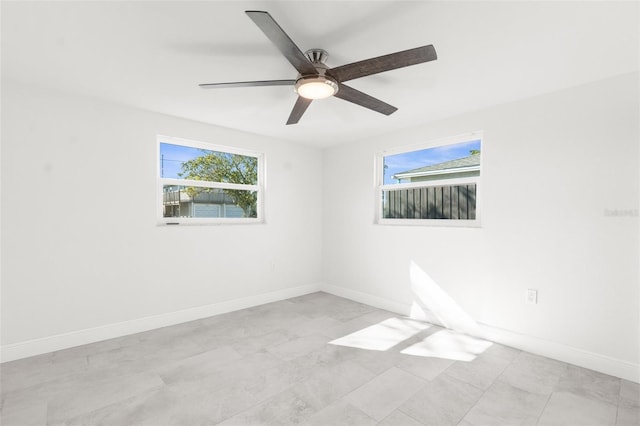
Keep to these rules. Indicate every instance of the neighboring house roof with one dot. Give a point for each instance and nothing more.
(464, 164)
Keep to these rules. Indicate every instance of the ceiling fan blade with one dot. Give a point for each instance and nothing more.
(357, 97)
(248, 84)
(276, 34)
(384, 63)
(298, 109)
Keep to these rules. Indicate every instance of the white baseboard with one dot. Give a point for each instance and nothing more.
(569, 354)
(82, 337)
(367, 299)
(594, 361)
(591, 360)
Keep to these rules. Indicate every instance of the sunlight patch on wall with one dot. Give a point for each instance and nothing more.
(384, 335)
(431, 305)
(449, 344)
(436, 305)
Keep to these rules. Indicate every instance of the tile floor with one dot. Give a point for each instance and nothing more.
(274, 365)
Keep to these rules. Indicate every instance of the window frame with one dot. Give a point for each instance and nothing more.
(259, 188)
(380, 186)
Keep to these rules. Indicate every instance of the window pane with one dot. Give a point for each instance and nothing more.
(430, 202)
(185, 162)
(442, 162)
(192, 201)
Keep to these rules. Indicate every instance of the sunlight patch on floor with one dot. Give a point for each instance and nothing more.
(449, 344)
(430, 305)
(384, 335)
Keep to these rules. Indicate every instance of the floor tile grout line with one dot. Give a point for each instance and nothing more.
(472, 406)
(618, 405)
(406, 414)
(383, 372)
(368, 381)
(262, 401)
(372, 372)
(484, 391)
(544, 408)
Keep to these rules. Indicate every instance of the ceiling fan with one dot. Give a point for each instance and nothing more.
(317, 81)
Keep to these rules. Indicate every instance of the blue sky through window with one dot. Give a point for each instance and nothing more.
(425, 157)
(172, 157)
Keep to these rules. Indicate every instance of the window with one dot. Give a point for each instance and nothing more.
(202, 183)
(435, 183)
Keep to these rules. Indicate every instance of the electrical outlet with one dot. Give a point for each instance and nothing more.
(532, 296)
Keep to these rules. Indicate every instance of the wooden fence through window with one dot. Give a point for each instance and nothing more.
(432, 202)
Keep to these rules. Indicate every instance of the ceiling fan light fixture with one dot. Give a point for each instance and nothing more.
(316, 87)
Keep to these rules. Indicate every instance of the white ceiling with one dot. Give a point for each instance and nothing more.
(152, 55)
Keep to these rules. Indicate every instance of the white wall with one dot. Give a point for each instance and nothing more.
(80, 244)
(552, 166)
(81, 250)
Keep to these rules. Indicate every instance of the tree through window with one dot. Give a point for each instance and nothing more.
(203, 183)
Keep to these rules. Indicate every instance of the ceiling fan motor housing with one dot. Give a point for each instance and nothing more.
(319, 85)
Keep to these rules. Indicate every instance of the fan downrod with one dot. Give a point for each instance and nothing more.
(317, 56)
